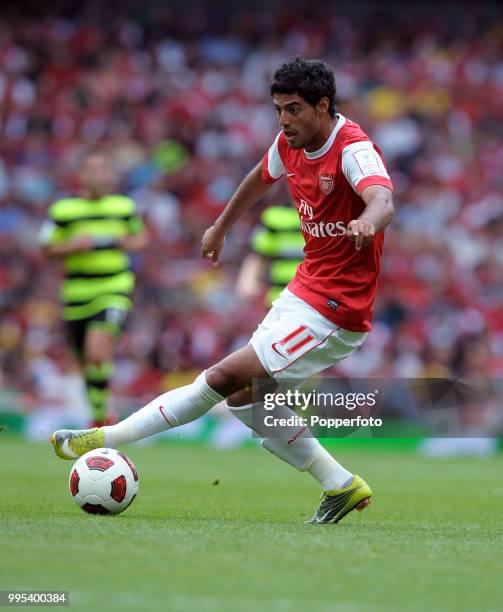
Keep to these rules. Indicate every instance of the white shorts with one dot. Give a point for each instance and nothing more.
(296, 341)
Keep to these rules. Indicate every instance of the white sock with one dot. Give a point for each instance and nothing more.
(327, 470)
(303, 452)
(166, 411)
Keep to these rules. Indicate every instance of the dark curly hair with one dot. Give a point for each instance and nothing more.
(310, 79)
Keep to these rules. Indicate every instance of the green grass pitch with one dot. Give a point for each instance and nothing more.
(432, 539)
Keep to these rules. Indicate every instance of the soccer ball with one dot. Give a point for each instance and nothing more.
(103, 481)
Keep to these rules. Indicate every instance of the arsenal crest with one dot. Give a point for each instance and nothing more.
(326, 182)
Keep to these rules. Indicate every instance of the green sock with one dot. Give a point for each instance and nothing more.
(97, 378)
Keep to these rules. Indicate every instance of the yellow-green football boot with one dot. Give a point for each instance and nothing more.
(334, 505)
(73, 443)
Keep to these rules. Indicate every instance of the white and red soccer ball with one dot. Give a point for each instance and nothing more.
(103, 481)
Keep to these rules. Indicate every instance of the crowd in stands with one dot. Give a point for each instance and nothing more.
(181, 102)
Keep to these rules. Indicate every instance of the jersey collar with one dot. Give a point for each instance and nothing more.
(330, 141)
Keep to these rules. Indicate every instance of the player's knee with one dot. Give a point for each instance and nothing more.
(96, 355)
(98, 349)
(223, 379)
(241, 398)
(94, 360)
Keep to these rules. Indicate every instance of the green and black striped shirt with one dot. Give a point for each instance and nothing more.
(100, 278)
(279, 240)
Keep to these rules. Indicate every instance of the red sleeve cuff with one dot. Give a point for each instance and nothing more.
(374, 180)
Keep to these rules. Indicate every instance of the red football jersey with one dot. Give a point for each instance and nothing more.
(335, 279)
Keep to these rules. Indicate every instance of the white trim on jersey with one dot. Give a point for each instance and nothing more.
(315, 154)
(46, 232)
(360, 160)
(275, 165)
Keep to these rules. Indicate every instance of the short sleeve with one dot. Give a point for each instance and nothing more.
(363, 166)
(51, 231)
(135, 224)
(272, 164)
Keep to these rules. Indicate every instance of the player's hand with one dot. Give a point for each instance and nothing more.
(361, 232)
(212, 244)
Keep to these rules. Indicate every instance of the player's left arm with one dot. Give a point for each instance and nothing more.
(364, 168)
(134, 242)
(379, 211)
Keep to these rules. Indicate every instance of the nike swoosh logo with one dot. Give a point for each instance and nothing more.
(67, 450)
(290, 174)
(338, 504)
(273, 346)
(324, 517)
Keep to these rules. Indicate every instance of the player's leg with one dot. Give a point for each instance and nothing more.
(76, 332)
(292, 324)
(296, 445)
(342, 491)
(170, 409)
(98, 368)
(101, 333)
(185, 404)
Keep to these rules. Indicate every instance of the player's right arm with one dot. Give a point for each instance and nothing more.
(74, 245)
(55, 243)
(249, 284)
(246, 195)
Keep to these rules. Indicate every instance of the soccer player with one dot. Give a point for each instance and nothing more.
(343, 195)
(91, 234)
(277, 246)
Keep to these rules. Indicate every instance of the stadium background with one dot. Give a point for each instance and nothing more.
(180, 98)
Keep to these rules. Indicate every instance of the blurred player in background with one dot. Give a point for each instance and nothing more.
(278, 249)
(343, 195)
(91, 234)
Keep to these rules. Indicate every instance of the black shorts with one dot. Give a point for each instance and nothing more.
(112, 320)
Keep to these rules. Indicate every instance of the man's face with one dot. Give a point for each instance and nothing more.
(298, 120)
(96, 174)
